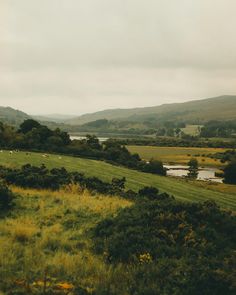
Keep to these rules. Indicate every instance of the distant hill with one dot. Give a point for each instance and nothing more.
(197, 111)
(12, 116)
(57, 118)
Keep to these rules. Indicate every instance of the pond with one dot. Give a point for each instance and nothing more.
(205, 173)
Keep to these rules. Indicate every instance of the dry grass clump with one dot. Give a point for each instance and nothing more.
(21, 229)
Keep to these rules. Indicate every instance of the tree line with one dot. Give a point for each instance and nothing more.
(34, 136)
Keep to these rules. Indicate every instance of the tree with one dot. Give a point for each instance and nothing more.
(230, 173)
(193, 168)
(28, 125)
(177, 132)
(155, 167)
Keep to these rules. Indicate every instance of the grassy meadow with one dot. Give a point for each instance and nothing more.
(178, 155)
(46, 238)
(184, 190)
(192, 129)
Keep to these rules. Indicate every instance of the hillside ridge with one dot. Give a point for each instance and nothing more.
(211, 108)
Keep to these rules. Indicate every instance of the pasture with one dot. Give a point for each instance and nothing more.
(178, 155)
(184, 190)
(193, 130)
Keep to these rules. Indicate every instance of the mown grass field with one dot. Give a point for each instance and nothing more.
(178, 155)
(224, 195)
(193, 130)
(46, 238)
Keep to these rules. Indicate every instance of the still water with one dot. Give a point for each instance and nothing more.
(74, 137)
(205, 173)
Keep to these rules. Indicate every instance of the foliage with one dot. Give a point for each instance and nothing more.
(42, 178)
(193, 168)
(223, 194)
(230, 173)
(174, 247)
(45, 241)
(228, 155)
(155, 167)
(6, 197)
(184, 141)
(219, 129)
(34, 136)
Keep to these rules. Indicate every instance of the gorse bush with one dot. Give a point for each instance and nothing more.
(42, 178)
(6, 197)
(174, 247)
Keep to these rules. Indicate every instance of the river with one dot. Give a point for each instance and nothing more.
(76, 137)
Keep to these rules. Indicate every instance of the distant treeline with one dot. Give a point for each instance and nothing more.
(188, 141)
(219, 129)
(36, 137)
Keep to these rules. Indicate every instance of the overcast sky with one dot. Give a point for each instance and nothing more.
(79, 56)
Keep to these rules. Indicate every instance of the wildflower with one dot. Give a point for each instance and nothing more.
(145, 258)
(65, 286)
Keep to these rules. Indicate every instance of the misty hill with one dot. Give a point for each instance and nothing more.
(57, 118)
(12, 116)
(198, 111)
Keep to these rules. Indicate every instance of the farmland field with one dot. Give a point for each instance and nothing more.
(177, 155)
(181, 189)
(192, 129)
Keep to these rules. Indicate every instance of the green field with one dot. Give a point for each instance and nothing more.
(178, 155)
(193, 130)
(181, 189)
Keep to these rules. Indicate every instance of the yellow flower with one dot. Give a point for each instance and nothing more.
(65, 286)
(145, 258)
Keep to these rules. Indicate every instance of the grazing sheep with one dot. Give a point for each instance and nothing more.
(11, 152)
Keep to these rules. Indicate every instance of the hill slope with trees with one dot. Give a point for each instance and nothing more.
(216, 108)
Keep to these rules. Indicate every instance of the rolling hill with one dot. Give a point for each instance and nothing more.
(56, 118)
(197, 111)
(12, 116)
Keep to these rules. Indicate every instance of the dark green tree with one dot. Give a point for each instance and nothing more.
(230, 173)
(28, 125)
(193, 168)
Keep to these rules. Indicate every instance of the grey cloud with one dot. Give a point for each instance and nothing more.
(115, 53)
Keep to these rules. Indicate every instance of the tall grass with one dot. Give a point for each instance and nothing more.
(47, 234)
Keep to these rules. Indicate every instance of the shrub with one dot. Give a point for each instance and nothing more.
(230, 173)
(6, 196)
(166, 228)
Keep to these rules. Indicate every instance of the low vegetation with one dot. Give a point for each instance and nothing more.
(185, 190)
(6, 197)
(71, 242)
(177, 248)
(45, 242)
